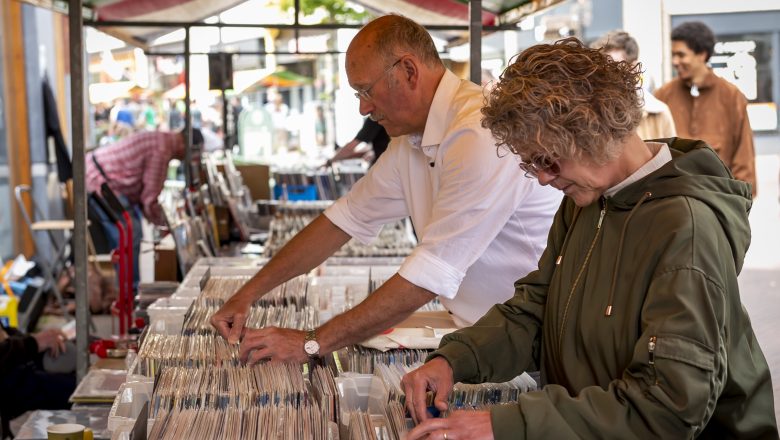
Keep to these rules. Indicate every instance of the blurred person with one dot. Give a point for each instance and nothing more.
(102, 112)
(121, 118)
(371, 133)
(234, 115)
(657, 121)
(320, 125)
(25, 385)
(148, 116)
(279, 112)
(706, 106)
(212, 138)
(175, 115)
(135, 168)
(471, 208)
(634, 314)
(196, 115)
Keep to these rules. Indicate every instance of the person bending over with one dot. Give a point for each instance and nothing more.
(633, 315)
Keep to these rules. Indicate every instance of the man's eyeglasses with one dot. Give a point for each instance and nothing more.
(365, 94)
(540, 164)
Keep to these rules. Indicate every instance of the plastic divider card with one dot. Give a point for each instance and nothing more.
(128, 403)
(337, 294)
(363, 261)
(186, 292)
(99, 386)
(339, 271)
(204, 262)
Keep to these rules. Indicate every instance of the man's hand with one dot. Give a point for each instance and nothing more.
(52, 340)
(310, 247)
(231, 318)
(460, 425)
(273, 344)
(435, 375)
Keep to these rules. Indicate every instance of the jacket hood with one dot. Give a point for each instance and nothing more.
(696, 171)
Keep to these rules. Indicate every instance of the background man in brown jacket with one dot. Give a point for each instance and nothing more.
(706, 106)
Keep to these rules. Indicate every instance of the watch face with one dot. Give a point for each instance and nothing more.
(311, 347)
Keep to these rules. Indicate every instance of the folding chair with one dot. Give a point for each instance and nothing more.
(51, 270)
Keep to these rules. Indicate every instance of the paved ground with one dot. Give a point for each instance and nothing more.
(760, 277)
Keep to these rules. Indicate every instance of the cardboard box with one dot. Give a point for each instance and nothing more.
(165, 264)
(256, 177)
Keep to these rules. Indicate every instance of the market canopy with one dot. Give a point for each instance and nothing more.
(431, 12)
(456, 12)
(426, 12)
(280, 79)
(189, 11)
(177, 93)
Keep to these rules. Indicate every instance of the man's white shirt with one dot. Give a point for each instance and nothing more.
(481, 224)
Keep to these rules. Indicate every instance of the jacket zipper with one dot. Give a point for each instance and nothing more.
(651, 350)
(651, 346)
(579, 274)
(601, 216)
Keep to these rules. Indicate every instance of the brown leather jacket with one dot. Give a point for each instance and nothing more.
(719, 117)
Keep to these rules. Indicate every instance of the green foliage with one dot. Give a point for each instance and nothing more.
(338, 10)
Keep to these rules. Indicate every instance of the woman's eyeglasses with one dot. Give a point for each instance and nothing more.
(365, 94)
(544, 164)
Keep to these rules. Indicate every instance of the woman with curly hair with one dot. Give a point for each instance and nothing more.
(633, 316)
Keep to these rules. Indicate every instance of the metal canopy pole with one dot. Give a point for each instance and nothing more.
(79, 242)
(322, 26)
(475, 41)
(187, 114)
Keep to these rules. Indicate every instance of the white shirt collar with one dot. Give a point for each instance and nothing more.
(439, 114)
(661, 157)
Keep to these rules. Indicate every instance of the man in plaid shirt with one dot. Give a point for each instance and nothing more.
(135, 169)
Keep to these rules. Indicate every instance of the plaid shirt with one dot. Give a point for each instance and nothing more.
(136, 167)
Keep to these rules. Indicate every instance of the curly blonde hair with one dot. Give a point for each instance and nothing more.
(564, 101)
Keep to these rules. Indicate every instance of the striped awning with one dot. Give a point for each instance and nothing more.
(153, 11)
(429, 12)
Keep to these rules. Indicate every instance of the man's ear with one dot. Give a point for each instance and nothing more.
(410, 67)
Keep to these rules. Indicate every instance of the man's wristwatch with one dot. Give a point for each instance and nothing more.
(311, 346)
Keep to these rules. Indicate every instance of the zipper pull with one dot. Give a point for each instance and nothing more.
(601, 216)
(651, 350)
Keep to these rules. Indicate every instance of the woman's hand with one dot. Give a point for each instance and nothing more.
(52, 340)
(436, 376)
(460, 425)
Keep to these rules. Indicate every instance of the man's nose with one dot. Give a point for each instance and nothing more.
(366, 107)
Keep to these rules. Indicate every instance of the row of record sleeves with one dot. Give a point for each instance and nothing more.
(193, 385)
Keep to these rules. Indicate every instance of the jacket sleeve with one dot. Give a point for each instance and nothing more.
(16, 350)
(670, 393)
(478, 353)
(743, 164)
(668, 389)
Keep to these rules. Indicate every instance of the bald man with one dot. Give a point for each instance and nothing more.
(481, 224)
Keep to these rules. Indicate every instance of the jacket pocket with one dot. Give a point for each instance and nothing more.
(684, 378)
(684, 350)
